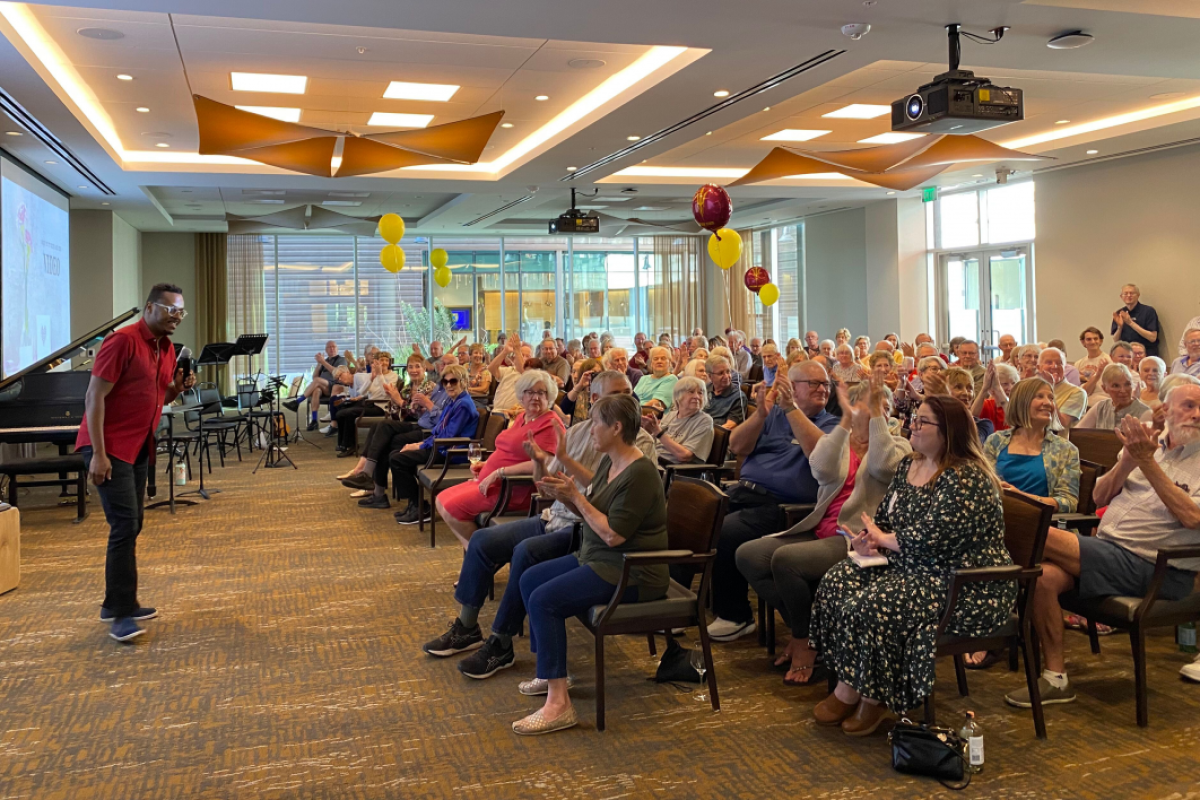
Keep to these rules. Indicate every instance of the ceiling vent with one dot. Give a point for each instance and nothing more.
(40, 132)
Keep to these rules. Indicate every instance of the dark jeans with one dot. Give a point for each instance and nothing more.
(405, 466)
(751, 516)
(122, 497)
(523, 544)
(347, 423)
(554, 591)
(785, 571)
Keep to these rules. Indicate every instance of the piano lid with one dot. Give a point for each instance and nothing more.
(50, 361)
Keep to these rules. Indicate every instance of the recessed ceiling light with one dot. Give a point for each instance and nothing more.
(1063, 122)
(768, 108)
(13, 133)
(81, 186)
(124, 77)
(1107, 122)
(859, 111)
(721, 93)
(650, 208)
(52, 163)
(103, 34)
(505, 124)
(632, 138)
(977, 175)
(347, 203)
(266, 202)
(891, 192)
(1070, 41)
(143, 110)
(793, 135)
(162, 144)
(572, 169)
(104, 204)
(274, 112)
(585, 63)
(1092, 152)
(383, 119)
(349, 194)
(891, 138)
(263, 82)
(436, 92)
(542, 97)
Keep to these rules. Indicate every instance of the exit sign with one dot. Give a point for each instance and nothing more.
(929, 194)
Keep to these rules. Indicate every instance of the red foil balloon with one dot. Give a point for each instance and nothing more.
(756, 278)
(711, 207)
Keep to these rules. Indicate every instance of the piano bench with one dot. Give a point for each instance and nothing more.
(72, 463)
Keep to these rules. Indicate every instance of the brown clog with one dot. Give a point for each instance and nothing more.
(866, 719)
(832, 711)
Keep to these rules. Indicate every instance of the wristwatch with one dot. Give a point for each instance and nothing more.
(659, 435)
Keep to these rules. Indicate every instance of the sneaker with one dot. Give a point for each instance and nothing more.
(139, 615)
(359, 480)
(374, 501)
(1050, 695)
(411, 516)
(124, 629)
(537, 686)
(488, 660)
(1191, 671)
(723, 630)
(326, 418)
(312, 425)
(457, 639)
(327, 429)
(293, 404)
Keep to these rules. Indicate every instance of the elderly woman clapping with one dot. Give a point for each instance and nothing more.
(685, 433)
(657, 388)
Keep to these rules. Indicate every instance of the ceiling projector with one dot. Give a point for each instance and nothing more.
(573, 221)
(956, 101)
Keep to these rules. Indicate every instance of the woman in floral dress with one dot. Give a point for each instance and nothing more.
(877, 625)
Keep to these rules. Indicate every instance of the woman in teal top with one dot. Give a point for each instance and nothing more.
(658, 388)
(623, 511)
(1028, 457)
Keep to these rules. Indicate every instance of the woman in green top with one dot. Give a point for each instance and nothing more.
(623, 511)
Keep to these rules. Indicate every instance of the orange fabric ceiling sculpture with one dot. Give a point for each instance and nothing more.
(898, 166)
(228, 131)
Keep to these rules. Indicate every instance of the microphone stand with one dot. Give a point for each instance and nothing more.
(275, 456)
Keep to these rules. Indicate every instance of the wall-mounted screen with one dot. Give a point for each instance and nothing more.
(35, 284)
(461, 317)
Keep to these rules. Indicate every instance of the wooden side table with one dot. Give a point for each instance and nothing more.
(10, 549)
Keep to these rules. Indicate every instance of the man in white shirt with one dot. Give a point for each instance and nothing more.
(1071, 401)
(1189, 362)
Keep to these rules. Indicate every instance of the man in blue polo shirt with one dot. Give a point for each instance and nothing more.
(1136, 322)
(788, 421)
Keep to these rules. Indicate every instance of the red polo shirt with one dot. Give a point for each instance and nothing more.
(140, 368)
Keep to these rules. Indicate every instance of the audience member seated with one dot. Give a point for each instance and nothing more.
(321, 385)
(854, 464)
(1070, 373)
(1118, 401)
(777, 441)
(574, 351)
(990, 403)
(726, 404)
(1151, 371)
(739, 355)
(347, 385)
(697, 368)
(507, 365)
(1070, 400)
(960, 385)
(1189, 362)
(1096, 359)
(793, 345)
(459, 417)
(1029, 457)
(847, 370)
(640, 360)
(812, 343)
(770, 363)
(841, 337)
(624, 511)
(593, 348)
(479, 380)
(577, 402)
(1158, 414)
(826, 349)
(862, 349)
(1153, 499)
(657, 388)
(929, 378)
(1026, 358)
(685, 433)
(459, 505)
(1119, 353)
(877, 626)
(376, 401)
(968, 359)
(522, 544)
(881, 365)
(617, 359)
(553, 363)
(1007, 344)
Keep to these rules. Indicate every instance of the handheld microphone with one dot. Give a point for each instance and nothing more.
(186, 363)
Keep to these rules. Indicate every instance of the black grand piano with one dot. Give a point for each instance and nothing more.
(37, 405)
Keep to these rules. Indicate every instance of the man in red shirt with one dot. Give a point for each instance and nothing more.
(133, 377)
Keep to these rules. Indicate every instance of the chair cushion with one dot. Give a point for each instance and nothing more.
(680, 601)
(29, 466)
(454, 476)
(1122, 609)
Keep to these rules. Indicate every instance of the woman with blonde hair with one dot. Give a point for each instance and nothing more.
(479, 377)
(1029, 457)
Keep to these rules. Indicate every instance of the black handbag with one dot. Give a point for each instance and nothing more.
(927, 750)
(676, 665)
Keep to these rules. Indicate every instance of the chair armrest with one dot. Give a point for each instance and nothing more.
(1161, 563)
(654, 557)
(794, 512)
(962, 577)
(1076, 521)
(453, 440)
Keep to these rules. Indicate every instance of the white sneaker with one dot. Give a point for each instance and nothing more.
(537, 686)
(326, 418)
(722, 630)
(1191, 671)
(326, 429)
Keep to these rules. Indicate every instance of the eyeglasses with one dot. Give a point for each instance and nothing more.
(172, 311)
(812, 385)
(450, 382)
(532, 393)
(920, 422)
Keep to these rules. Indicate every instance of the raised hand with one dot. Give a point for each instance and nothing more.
(534, 451)
(876, 399)
(782, 391)
(762, 405)
(1140, 440)
(650, 424)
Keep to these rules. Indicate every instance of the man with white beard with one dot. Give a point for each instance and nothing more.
(1153, 499)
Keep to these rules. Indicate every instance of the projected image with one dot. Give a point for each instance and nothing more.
(35, 273)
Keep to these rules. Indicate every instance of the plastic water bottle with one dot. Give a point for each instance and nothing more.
(972, 734)
(180, 473)
(1185, 636)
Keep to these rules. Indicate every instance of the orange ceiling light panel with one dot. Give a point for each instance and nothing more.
(228, 131)
(900, 166)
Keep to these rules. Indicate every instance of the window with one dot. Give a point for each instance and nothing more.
(601, 282)
(311, 292)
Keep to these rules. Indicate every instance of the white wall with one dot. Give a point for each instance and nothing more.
(836, 272)
(171, 258)
(1128, 220)
(126, 266)
(91, 270)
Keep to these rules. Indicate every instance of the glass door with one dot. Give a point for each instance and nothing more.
(985, 294)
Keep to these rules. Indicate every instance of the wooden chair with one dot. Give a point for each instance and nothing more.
(1084, 518)
(695, 512)
(712, 469)
(1096, 445)
(1026, 524)
(439, 474)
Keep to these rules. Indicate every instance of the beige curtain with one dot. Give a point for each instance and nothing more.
(740, 300)
(676, 302)
(245, 300)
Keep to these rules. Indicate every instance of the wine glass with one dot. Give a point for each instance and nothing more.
(697, 661)
(474, 453)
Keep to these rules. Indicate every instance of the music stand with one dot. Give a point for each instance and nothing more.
(275, 456)
(216, 354)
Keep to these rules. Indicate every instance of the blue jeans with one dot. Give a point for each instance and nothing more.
(522, 543)
(122, 497)
(553, 591)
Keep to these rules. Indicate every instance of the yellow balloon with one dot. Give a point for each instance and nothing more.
(439, 258)
(725, 248)
(441, 276)
(391, 228)
(768, 293)
(392, 258)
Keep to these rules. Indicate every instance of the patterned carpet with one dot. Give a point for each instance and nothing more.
(286, 663)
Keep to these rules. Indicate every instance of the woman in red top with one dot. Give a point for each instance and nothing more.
(459, 505)
(990, 402)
